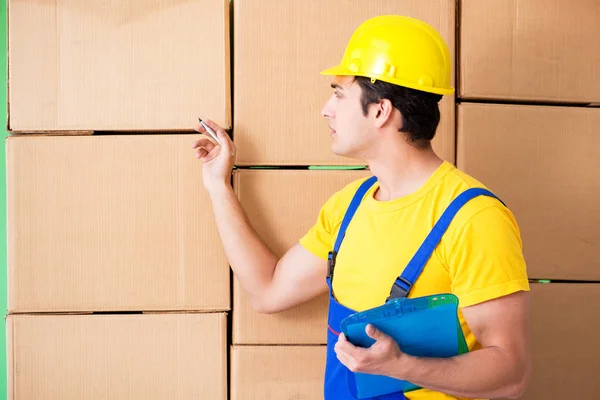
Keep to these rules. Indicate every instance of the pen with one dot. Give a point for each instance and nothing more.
(210, 131)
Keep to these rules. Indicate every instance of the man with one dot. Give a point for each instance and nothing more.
(384, 110)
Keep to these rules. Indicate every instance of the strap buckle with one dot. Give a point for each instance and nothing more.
(398, 291)
(331, 264)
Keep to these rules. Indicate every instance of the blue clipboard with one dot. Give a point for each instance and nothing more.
(424, 327)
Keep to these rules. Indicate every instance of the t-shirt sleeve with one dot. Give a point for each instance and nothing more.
(319, 238)
(487, 259)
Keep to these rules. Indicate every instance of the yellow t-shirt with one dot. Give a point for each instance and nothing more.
(479, 257)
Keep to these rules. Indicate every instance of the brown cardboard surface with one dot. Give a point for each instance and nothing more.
(543, 50)
(280, 50)
(544, 163)
(155, 356)
(564, 333)
(281, 217)
(111, 223)
(277, 372)
(129, 65)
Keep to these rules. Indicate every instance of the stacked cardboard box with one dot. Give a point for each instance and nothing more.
(280, 48)
(538, 151)
(150, 356)
(114, 66)
(535, 50)
(118, 284)
(544, 163)
(564, 341)
(285, 372)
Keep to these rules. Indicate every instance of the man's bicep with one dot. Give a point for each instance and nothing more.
(503, 323)
(299, 277)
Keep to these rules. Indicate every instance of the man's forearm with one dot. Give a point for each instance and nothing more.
(251, 260)
(485, 373)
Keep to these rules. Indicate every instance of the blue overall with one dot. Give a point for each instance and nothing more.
(339, 381)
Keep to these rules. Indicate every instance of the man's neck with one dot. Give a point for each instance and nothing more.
(402, 174)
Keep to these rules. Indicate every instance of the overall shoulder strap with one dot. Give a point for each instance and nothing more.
(354, 203)
(404, 282)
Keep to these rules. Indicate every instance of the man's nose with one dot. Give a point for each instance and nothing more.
(328, 109)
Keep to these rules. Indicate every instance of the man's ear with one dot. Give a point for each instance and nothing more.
(383, 112)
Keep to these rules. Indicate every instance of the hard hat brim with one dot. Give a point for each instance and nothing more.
(341, 71)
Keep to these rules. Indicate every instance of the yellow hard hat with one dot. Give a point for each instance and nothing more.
(399, 50)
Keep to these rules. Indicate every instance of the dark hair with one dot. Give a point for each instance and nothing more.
(419, 110)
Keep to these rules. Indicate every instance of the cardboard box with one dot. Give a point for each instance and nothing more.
(154, 356)
(566, 356)
(280, 50)
(128, 65)
(543, 162)
(277, 372)
(111, 223)
(534, 50)
(281, 217)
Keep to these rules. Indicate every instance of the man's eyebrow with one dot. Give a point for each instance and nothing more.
(336, 86)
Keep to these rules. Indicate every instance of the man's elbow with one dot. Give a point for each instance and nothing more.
(517, 390)
(264, 306)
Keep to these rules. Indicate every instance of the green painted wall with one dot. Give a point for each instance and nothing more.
(3, 273)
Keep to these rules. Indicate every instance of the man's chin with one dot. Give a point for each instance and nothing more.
(345, 154)
(338, 152)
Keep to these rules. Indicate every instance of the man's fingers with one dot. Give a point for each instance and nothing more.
(347, 361)
(199, 128)
(349, 349)
(205, 143)
(222, 137)
(221, 134)
(225, 140)
(201, 153)
(354, 364)
(344, 342)
(375, 333)
(214, 126)
(341, 351)
(209, 155)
